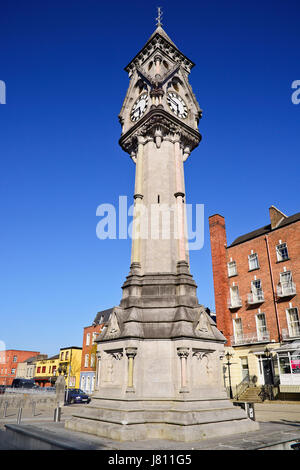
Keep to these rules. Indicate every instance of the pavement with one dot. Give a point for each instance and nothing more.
(279, 424)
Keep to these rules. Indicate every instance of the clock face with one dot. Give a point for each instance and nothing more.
(139, 107)
(177, 104)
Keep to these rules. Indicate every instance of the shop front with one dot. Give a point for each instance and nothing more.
(288, 357)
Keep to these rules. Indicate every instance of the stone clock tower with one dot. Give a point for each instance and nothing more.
(159, 358)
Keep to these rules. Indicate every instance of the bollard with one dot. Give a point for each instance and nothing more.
(250, 411)
(33, 408)
(19, 415)
(57, 413)
(5, 409)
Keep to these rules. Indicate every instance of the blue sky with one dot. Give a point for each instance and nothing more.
(62, 62)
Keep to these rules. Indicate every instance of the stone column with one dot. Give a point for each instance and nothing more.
(180, 207)
(183, 354)
(97, 381)
(130, 353)
(138, 200)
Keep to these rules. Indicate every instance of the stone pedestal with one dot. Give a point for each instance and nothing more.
(160, 368)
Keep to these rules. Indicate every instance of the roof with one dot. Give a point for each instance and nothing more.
(159, 31)
(105, 314)
(71, 347)
(162, 32)
(52, 357)
(266, 229)
(41, 359)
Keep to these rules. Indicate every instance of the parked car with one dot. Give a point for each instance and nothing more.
(23, 383)
(76, 395)
(2, 389)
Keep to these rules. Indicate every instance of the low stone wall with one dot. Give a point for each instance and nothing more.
(26, 400)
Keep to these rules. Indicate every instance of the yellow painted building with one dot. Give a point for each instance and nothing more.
(247, 364)
(46, 371)
(70, 365)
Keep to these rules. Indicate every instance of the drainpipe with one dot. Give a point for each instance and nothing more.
(273, 289)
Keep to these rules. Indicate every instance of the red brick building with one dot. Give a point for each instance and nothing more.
(9, 360)
(89, 348)
(255, 282)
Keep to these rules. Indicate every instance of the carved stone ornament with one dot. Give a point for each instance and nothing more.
(168, 126)
(183, 352)
(203, 325)
(113, 329)
(116, 354)
(160, 43)
(131, 352)
(200, 353)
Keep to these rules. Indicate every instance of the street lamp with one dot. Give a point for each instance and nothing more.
(228, 363)
(269, 371)
(268, 355)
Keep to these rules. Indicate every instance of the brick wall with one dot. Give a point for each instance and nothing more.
(219, 257)
(9, 361)
(269, 271)
(89, 349)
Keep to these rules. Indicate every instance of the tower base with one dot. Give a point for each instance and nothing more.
(160, 389)
(182, 421)
(159, 372)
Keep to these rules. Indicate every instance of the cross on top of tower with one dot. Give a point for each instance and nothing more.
(159, 16)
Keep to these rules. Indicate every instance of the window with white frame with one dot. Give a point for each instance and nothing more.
(293, 321)
(87, 342)
(231, 267)
(86, 360)
(255, 286)
(253, 261)
(238, 329)
(256, 290)
(83, 382)
(261, 326)
(286, 277)
(92, 360)
(286, 285)
(94, 336)
(235, 300)
(282, 252)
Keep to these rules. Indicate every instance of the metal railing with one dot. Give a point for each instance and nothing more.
(284, 289)
(286, 334)
(256, 297)
(29, 391)
(242, 387)
(234, 303)
(250, 338)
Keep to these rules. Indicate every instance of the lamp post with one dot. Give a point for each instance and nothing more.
(268, 356)
(228, 363)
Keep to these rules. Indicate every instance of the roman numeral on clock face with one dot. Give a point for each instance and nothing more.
(139, 107)
(177, 105)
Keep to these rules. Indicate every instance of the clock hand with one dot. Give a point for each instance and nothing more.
(174, 103)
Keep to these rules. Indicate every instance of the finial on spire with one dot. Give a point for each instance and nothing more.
(159, 16)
